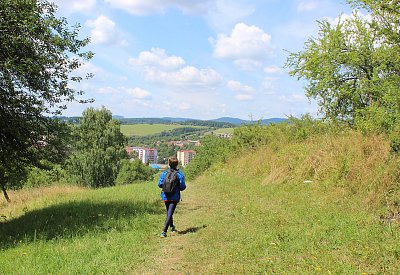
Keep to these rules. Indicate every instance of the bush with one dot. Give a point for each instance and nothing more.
(40, 177)
(213, 150)
(134, 171)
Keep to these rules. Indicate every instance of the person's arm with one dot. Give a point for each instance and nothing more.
(160, 181)
(182, 185)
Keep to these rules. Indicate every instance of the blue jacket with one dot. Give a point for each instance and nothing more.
(177, 195)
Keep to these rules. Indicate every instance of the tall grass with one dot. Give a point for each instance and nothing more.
(310, 206)
(80, 231)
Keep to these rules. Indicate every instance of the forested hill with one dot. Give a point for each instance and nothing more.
(219, 122)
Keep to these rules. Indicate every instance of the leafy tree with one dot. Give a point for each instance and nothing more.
(98, 149)
(38, 53)
(352, 67)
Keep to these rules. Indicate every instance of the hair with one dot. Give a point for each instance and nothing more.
(173, 162)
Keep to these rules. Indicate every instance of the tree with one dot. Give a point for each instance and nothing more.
(352, 67)
(38, 53)
(98, 149)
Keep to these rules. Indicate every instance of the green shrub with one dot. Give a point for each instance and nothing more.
(40, 177)
(213, 150)
(134, 171)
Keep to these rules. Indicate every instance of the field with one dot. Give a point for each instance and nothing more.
(263, 212)
(146, 129)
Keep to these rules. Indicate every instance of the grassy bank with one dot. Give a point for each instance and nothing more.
(79, 231)
(326, 204)
(311, 207)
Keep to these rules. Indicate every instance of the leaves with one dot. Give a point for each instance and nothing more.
(98, 149)
(38, 54)
(354, 64)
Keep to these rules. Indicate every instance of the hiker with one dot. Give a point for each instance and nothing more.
(172, 182)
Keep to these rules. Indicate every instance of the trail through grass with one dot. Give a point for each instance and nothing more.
(233, 219)
(229, 224)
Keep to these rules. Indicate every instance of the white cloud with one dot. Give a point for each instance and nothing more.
(138, 93)
(88, 67)
(345, 17)
(167, 70)
(108, 90)
(236, 86)
(244, 92)
(272, 70)
(140, 7)
(244, 97)
(247, 46)
(157, 58)
(294, 98)
(307, 6)
(104, 31)
(76, 5)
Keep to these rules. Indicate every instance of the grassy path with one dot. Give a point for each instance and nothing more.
(232, 220)
(229, 225)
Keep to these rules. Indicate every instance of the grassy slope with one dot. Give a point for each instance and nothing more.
(256, 214)
(146, 129)
(253, 215)
(79, 232)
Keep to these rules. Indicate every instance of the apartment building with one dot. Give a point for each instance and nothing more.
(185, 156)
(146, 155)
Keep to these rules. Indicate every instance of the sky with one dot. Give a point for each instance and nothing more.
(201, 59)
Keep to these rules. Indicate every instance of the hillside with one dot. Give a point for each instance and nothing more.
(322, 205)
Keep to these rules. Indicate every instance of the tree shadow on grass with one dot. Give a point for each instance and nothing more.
(73, 219)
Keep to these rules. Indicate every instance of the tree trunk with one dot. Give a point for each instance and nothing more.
(3, 188)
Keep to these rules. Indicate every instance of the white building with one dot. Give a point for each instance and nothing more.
(146, 155)
(185, 156)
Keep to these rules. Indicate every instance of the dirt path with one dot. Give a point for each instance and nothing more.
(169, 257)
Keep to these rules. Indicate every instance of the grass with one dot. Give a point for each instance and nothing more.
(293, 209)
(146, 129)
(310, 207)
(80, 232)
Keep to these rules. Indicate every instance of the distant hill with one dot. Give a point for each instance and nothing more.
(238, 121)
(219, 122)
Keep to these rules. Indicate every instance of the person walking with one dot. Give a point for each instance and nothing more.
(171, 199)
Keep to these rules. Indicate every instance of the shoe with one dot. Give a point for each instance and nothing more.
(173, 229)
(163, 234)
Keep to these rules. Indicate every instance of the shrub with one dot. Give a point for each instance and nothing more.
(134, 171)
(40, 177)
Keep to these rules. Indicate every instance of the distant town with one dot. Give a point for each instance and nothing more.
(149, 156)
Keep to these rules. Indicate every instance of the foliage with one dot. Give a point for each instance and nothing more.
(38, 53)
(134, 171)
(40, 177)
(213, 150)
(98, 149)
(353, 67)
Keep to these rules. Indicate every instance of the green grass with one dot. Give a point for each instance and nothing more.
(252, 215)
(92, 232)
(146, 129)
(295, 228)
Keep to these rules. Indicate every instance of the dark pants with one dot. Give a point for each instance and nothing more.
(169, 221)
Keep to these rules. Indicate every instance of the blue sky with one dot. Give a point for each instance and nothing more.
(199, 59)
